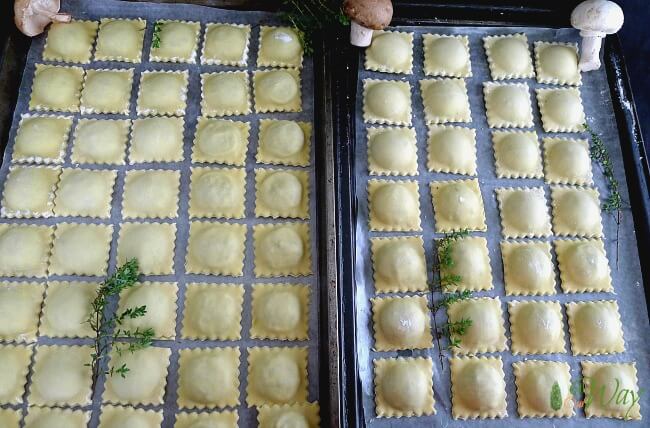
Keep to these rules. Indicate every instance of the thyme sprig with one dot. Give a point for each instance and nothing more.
(308, 16)
(108, 326)
(453, 330)
(155, 39)
(600, 154)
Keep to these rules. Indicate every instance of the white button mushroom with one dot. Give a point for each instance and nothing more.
(366, 16)
(595, 19)
(32, 16)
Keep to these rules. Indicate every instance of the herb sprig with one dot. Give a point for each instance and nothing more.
(600, 154)
(308, 16)
(155, 38)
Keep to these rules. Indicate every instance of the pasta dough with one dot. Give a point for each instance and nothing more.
(67, 308)
(517, 154)
(10, 418)
(508, 105)
(445, 100)
(486, 333)
(24, 250)
(478, 389)
(56, 88)
(100, 141)
(392, 151)
(446, 55)
(70, 42)
(225, 94)
(29, 191)
(561, 110)
(281, 193)
(279, 47)
(120, 40)
(226, 44)
(399, 264)
(576, 211)
(535, 381)
(584, 266)
(401, 323)
(280, 311)
(44, 417)
(157, 139)
(81, 249)
(394, 205)
(277, 90)
(536, 327)
(107, 91)
(595, 327)
(208, 378)
(202, 322)
(120, 417)
(41, 139)
(84, 193)
(508, 56)
(217, 192)
(471, 263)
(178, 41)
(404, 387)
(457, 205)
(610, 380)
(390, 52)
(162, 93)
(452, 149)
(557, 63)
(284, 142)
(151, 243)
(216, 248)
(568, 161)
(387, 101)
(302, 415)
(150, 194)
(160, 300)
(276, 375)
(20, 304)
(524, 213)
(528, 268)
(13, 372)
(282, 249)
(221, 141)
(225, 419)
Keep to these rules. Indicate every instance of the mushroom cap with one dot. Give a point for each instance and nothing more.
(598, 16)
(374, 14)
(32, 16)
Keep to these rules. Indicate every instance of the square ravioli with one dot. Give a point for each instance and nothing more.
(536, 380)
(595, 327)
(20, 304)
(282, 249)
(392, 151)
(136, 241)
(156, 139)
(576, 211)
(208, 378)
(81, 249)
(226, 44)
(162, 93)
(604, 381)
(175, 41)
(271, 416)
(67, 308)
(15, 365)
(280, 311)
(451, 149)
(508, 105)
(277, 90)
(41, 138)
(584, 267)
(390, 52)
(457, 205)
(145, 383)
(401, 323)
(485, 332)
(567, 161)
(446, 55)
(159, 298)
(122, 416)
(216, 248)
(394, 205)
(120, 40)
(524, 213)
(469, 267)
(56, 88)
(561, 110)
(536, 327)
(221, 141)
(10, 418)
(29, 191)
(225, 419)
(202, 322)
(61, 377)
(478, 388)
(70, 41)
(279, 47)
(445, 100)
(288, 383)
(528, 268)
(404, 387)
(100, 141)
(509, 56)
(557, 63)
(284, 142)
(517, 154)
(25, 250)
(399, 264)
(84, 193)
(217, 192)
(150, 193)
(387, 102)
(107, 91)
(38, 417)
(225, 94)
(281, 193)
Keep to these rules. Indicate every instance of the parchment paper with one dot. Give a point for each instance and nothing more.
(89, 9)
(620, 242)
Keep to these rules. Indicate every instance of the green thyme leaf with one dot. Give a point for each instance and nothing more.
(155, 38)
(600, 154)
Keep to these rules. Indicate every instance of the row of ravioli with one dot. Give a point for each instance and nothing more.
(172, 41)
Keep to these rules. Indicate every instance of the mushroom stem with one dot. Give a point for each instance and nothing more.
(590, 50)
(360, 35)
(59, 17)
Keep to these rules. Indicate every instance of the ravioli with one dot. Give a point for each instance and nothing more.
(536, 327)
(457, 205)
(446, 55)
(609, 379)
(107, 91)
(524, 213)
(561, 109)
(276, 375)
(67, 308)
(281, 193)
(583, 265)
(136, 241)
(528, 268)
(535, 382)
(121, 416)
(178, 41)
(284, 142)
(568, 161)
(392, 151)
(202, 322)
(225, 94)
(517, 154)
(451, 149)
(445, 100)
(225, 419)
(217, 192)
(29, 191)
(576, 211)
(84, 193)
(300, 415)
(70, 41)
(478, 388)
(100, 141)
(282, 249)
(13, 372)
(41, 139)
(557, 63)
(162, 93)
(216, 248)
(156, 139)
(277, 91)
(387, 102)
(221, 141)
(279, 47)
(486, 332)
(56, 88)
(120, 40)
(226, 44)
(160, 300)
(595, 327)
(399, 264)
(44, 417)
(394, 205)
(151, 194)
(280, 311)
(470, 263)
(81, 249)
(20, 304)
(403, 387)
(24, 250)
(508, 56)
(390, 52)
(401, 323)
(508, 105)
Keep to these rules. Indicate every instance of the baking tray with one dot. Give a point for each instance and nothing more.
(12, 63)
(454, 14)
